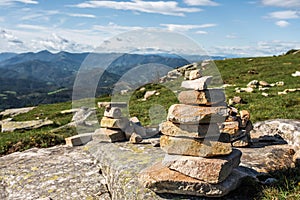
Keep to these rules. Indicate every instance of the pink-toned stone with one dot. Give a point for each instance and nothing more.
(211, 170)
(188, 114)
(161, 179)
(203, 97)
(194, 147)
(197, 84)
(189, 130)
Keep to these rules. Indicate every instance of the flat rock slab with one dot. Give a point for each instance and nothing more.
(113, 112)
(121, 123)
(230, 127)
(190, 130)
(78, 140)
(194, 147)
(59, 172)
(211, 170)
(197, 84)
(112, 104)
(109, 135)
(10, 126)
(15, 111)
(163, 180)
(188, 114)
(204, 97)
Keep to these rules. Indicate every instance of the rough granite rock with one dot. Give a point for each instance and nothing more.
(204, 97)
(121, 123)
(194, 74)
(288, 129)
(109, 135)
(163, 180)
(197, 84)
(211, 170)
(190, 130)
(59, 172)
(194, 147)
(10, 126)
(187, 114)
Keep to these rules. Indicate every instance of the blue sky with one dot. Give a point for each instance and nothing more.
(220, 27)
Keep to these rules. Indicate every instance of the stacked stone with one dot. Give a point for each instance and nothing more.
(112, 124)
(198, 162)
(238, 128)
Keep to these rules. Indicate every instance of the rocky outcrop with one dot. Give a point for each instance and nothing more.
(287, 129)
(57, 173)
(10, 126)
(15, 111)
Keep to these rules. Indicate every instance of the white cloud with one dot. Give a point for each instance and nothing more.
(282, 23)
(287, 14)
(231, 36)
(12, 2)
(160, 7)
(81, 15)
(282, 3)
(201, 32)
(186, 27)
(200, 3)
(33, 27)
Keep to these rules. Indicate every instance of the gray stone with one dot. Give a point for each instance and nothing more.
(113, 112)
(10, 126)
(15, 111)
(288, 129)
(109, 135)
(197, 84)
(190, 130)
(188, 114)
(203, 97)
(163, 180)
(194, 147)
(134, 128)
(211, 170)
(58, 172)
(83, 114)
(78, 140)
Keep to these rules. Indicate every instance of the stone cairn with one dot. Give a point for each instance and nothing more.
(198, 160)
(115, 127)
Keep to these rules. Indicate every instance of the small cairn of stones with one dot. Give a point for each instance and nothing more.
(238, 127)
(198, 160)
(115, 127)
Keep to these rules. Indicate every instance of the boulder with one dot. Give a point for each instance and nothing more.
(264, 83)
(197, 84)
(148, 94)
(135, 138)
(109, 135)
(189, 130)
(10, 126)
(211, 170)
(161, 179)
(194, 147)
(188, 114)
(204, 97)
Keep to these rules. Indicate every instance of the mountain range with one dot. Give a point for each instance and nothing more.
(29, 79)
